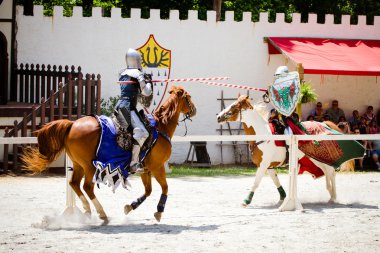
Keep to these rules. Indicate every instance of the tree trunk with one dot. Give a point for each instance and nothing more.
(217, 6)
(88, 3)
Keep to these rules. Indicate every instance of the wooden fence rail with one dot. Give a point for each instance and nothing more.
(33, 82)
(70, 101)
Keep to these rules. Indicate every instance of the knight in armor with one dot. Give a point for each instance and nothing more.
(281, 70)
(277, 123)
(126, 106)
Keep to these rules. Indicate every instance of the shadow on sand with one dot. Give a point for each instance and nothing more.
(321, 206)
(142, 228)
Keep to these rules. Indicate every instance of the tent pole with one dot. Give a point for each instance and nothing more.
(300, 70)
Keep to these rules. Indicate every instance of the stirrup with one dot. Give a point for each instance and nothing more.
(136, 168)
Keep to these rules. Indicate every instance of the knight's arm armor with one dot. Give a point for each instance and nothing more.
(146, 88)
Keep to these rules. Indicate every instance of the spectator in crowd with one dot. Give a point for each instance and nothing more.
(335, 112)
(295, 117)
(310, 118)
(354, 119)
(317, 112)
(378, 119)
(344, 127)
(363, 125)
(357, 131)
(369, 115)
(376, 153)
(354, 126)
(342, 119)
(363, 129)
(326, 117)
(372, 128)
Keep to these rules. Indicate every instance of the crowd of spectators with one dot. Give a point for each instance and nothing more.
(367, 123)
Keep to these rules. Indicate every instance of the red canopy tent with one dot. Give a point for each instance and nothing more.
(330, 56)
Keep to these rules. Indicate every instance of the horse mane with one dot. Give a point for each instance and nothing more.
(167, 110)
(262, 110)
(333, 126)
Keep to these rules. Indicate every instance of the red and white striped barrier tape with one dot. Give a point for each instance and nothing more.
(181, 80)
(233, 86)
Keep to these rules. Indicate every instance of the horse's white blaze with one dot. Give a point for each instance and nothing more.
(225, 111)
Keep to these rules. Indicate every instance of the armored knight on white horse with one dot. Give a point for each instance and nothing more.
(319, 158)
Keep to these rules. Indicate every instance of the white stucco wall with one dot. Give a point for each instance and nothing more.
(199, 48)
(6, 9)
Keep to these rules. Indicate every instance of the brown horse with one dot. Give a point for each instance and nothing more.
(80, 140)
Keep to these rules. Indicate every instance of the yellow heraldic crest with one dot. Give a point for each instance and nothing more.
(156, 61)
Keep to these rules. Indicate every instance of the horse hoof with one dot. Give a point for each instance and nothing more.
(127, 209)
(105, 220)
(103, 216)
(87, 214)
(331, 201)
(244, 205)
(157, 215)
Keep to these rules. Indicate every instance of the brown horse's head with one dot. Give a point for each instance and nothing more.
(179, 101)
(233, 112)
(185, 104)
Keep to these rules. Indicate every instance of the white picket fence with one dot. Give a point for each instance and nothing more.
(291, 202)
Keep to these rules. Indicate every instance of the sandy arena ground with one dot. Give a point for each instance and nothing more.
(202, 215)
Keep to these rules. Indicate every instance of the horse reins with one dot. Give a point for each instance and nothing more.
(187, 115)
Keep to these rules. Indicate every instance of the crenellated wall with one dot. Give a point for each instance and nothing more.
(199, 48)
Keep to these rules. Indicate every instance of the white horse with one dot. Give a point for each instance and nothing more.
(266, 155)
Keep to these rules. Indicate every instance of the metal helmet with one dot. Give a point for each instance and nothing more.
(133, 59)
(281, 70)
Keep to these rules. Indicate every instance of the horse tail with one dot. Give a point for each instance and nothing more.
(333, 126)
(51, 141)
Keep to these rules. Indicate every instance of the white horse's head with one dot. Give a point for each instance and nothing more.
(234, 111)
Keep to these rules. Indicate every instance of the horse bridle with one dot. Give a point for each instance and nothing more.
(187, 115)
(266, 100)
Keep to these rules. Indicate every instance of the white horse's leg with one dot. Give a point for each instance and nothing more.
(329, 172)
(259, 175)
(272, 173)
(333, 184)
(328, 183)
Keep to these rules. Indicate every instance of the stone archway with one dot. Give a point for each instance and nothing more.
(3, 69)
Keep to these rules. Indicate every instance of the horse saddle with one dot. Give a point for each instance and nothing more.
(277, 127)
(124, 136)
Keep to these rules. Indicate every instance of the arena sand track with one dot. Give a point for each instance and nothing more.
(202, 215)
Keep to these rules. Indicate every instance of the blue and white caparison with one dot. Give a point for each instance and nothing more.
(112, 161)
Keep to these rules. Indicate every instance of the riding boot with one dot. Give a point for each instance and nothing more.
(124, 118)
(136, 166)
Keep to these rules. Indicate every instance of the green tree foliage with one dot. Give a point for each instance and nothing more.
(107, 106)
(370, 8)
